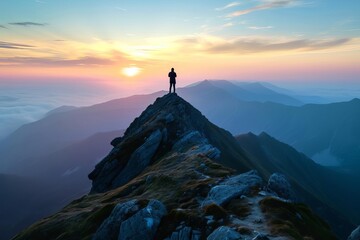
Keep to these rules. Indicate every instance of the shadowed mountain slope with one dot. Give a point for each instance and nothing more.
(324, 184)
(56, 179)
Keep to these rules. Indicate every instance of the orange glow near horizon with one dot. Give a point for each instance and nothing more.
(151, 61)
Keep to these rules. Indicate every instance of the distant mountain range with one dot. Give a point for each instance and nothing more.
(252, 92)
(322, 131)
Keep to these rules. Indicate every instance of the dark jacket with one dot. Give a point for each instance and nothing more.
(172, 76)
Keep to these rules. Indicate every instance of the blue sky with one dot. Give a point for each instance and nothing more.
(288, 39)
(153, 18)
(97, 48)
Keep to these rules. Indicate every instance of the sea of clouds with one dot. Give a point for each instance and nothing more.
(23, 103)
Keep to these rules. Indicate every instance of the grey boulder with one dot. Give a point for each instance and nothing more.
(143, 224)
(355, 235)
(279, 185)
(109, 229)
(224, 233)
(129, 221)
(232, 188)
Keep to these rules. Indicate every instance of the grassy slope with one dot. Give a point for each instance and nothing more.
(176, 180)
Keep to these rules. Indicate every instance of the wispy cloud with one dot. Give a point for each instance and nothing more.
(229, 24)
(210, 44)
(56, 62)
(230, 5)
(121, 9)
(212, 29)
(263, 45)
(28, 24)
(266, 4)
(2, 26)
(11, 45)
(260, 28)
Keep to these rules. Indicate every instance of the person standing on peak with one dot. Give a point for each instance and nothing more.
(172, 76)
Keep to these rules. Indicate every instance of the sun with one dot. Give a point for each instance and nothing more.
(131, 71)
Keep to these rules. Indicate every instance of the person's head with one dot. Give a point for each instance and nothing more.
(172, 69)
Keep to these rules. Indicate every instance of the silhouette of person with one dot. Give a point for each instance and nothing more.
(172, 76)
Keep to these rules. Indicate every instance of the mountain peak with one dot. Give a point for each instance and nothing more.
(165, 109)
(355, 100)
(169, 125)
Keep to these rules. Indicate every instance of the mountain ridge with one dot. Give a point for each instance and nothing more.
(184, 178)
(173, 118)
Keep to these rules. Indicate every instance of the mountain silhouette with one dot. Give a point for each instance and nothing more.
(173, 173)
(254, 92)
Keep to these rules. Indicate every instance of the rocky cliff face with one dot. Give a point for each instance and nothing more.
(168, 177)
(169, 125)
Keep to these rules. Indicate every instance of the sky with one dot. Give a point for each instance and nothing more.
(132, 44)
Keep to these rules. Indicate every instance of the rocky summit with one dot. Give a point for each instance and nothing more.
(170, 177)
(170, 125)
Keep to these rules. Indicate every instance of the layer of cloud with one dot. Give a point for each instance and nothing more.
(11, 45)
(260, 28)
(262, 45)
(28, 24)
(121, 9)
(230, 5)
(210, 44)
(64, 53)
(266, 4)
(57, 62)
(2, 26)
(30, 100)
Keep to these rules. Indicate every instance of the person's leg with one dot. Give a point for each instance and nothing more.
(174, 87)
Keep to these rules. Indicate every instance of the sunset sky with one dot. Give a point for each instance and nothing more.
(135, 43)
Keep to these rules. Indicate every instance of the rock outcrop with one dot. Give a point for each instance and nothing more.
(355, 235)
(224, 232)
(143, 224)
(131, 220)
(232, 188)
(279, 185)
(185, 233)
(170, 124)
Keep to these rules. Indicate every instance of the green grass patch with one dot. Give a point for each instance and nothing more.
(295, 220)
